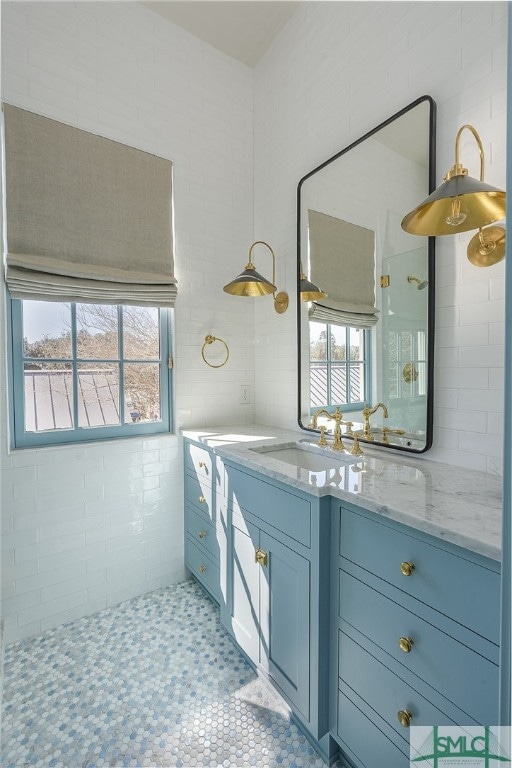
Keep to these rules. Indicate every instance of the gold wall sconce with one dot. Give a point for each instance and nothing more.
(460, 204)
(251, 283)
(308, 291)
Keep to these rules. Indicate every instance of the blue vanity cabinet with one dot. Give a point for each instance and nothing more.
(275, 610)
(414, 636)
(205, 539)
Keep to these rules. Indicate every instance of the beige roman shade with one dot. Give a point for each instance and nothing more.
(342, 258)
(88, 219)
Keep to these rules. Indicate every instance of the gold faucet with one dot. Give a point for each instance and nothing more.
(367, 412)
(386, 431)
(337, 417)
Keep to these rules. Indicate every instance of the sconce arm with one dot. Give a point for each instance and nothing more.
(480, 148)
(262, 242)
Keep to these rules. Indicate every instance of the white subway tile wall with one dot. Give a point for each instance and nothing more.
(86, 527)
(337, 70)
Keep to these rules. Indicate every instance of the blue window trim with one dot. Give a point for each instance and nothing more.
(367, 359)
(22, 439)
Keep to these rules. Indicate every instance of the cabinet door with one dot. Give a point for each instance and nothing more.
(244, 597)
(284, 618)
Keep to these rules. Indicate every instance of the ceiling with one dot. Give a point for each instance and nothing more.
(242, 29)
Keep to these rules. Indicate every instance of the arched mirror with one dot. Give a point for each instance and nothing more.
(366, 334)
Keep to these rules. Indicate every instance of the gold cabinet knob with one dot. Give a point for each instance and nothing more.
(202, 500)
(202, 534)
(406, 644)
(202, 464)
(261, 557)
(404, 717)
(202, 568)
(407, 568)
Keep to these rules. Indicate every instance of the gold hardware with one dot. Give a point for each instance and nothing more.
(404, 717)
(202, 569)
(337, 417)
(202, 534)
(322, 442)
(356, 448)
(251, 283)
(386, 431)
(202, 500)
(202, 464)
(406, 644)
(367, 412)
(348, 430)
(410, 373)
(407, 568)
(261, 557)
(487, 247)
(384, 281)
(462, 203)
(420, 284)
(209, 340)
(308, 291)
(170, 363)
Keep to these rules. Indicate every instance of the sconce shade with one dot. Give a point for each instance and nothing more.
(480, 203)
(309, 291)
(250, 283)
(462, 203)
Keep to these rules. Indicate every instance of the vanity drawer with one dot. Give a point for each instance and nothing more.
(203, 567)
(463, 590)
(387, 692)
(283, 510)
(199, 492)
(201, 532)
(368, 746)
(460, 674)
(199, 460)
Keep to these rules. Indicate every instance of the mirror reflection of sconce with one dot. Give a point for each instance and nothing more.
(460, 204)
(251, 283)
(420, 284)
(308, 291)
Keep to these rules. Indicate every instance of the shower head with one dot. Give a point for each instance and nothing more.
(421, 284)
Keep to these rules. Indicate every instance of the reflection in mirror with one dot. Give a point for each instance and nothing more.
(369, 340)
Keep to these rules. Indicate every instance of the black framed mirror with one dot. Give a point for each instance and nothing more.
(369, 339)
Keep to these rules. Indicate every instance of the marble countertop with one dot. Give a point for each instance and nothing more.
(458, 505)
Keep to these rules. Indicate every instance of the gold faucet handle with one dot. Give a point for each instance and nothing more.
(349, 425)
(322, 441)
(356, 448)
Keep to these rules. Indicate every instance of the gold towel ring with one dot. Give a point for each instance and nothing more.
(209, 340)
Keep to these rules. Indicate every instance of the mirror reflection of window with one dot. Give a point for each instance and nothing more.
(339, 366)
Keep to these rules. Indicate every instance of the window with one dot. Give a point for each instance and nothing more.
(88, 371)
(339, 366)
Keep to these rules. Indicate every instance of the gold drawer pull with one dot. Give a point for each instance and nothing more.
(202, 569)
(202, 500)
(406, 644)
(407, 568)
(261, 557)
(404, 717)
(202, 464)
(202, 534)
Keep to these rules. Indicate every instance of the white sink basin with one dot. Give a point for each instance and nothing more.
(305, 456)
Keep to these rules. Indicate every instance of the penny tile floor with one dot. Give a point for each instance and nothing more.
(154, 681)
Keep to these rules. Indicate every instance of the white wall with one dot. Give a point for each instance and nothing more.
(86, 527)
(337, 70)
